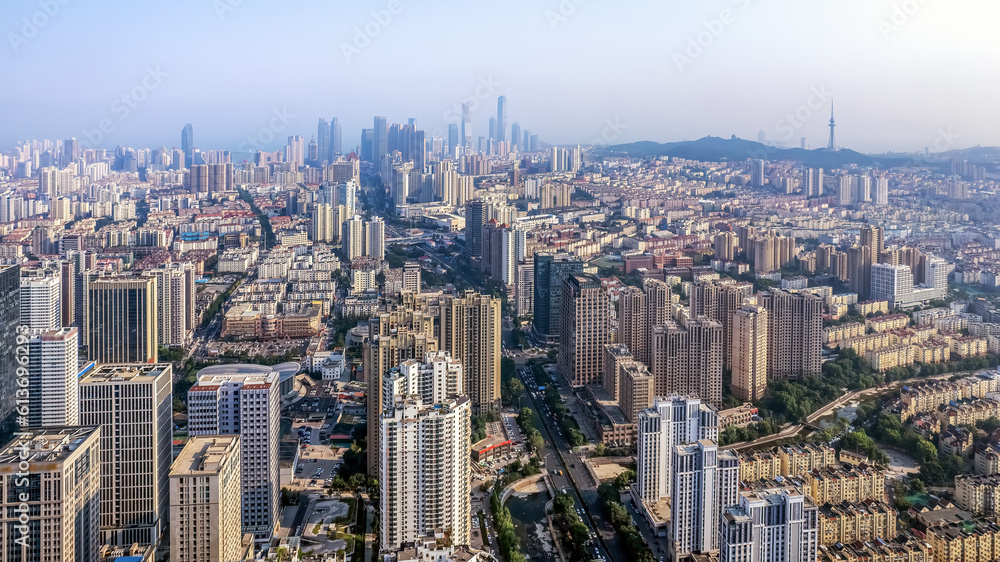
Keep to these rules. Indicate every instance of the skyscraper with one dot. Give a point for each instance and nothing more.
(53, 375)
(57, 469)
(187, 143)
(515, 135)
(295, 152)
(380, 141)
(881, 190)
(466, 127)
(705, 481)
(469, 328)
(336, 139)
(748, 349)
(205, 501)
(323, 133)
(175, 314)
(71, 151)
(584, 329)
(40, 300)
(493, 129)
(133, 405)
(757, 173)
(452, 139)
(501, 118)
(120, 320)
(671, 421)
(550, 271)
(795, 334)
(246, 402)
(718, 300)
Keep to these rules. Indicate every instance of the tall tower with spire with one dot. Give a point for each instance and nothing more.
(833, 125)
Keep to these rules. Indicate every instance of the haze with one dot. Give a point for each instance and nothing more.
(903, 73)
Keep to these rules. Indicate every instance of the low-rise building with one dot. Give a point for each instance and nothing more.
(834, 334)
(838, 483)
(872, 307)
(978, 493)
(965, 541)
(886, 323)
(886, 358)
(849, 522)
(956, 441)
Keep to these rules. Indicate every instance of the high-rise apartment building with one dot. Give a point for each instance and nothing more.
(40, 300)
(469, 328)
(205, 502)
(120, 320)
(706, 480)
(405, 330)
(10, 316)
(53, 374)
(56, 473)
(236, 401)
(671, 421)
(376, 238)
(881, 190)
(175, 304)
(295, 152)
(424, 470)
(749, 350)
(718, 300)
(133, 406)
(584, 329)
(795, 334)
(550, 272)
(726, 246)
(353, 238)
(687, 359)
(772, 524)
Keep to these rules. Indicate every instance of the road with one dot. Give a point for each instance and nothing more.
(575, 480)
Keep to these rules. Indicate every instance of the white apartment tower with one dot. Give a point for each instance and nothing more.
(705, 481)
(40, 303)
(205, 502)
(777, 524)
(424, 471)
(748, 352)
(376, 238)
(53, 378)
(228, 401)
(133, 406)
(353, 239)
(671, 421)
(175, 303)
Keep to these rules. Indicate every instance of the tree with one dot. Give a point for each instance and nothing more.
(925, 451)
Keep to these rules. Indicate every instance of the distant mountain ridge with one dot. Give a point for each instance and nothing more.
(717, 149)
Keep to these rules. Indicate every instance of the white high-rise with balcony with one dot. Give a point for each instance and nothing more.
(671, 421)
(53, 378)
(706, 480)
(40, 304)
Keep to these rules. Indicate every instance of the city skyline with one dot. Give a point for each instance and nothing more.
(678, 60)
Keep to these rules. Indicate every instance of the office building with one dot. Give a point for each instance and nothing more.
(187, 142)
(56, 473)
(40, 298)
(379, 141)
(470, 330)
(501, 132)
(795, 334)
(10, 316)
(705, 480)
(424, 471)
(376, 238)
(550, 272)
(347, 195)
(687, 359)
(584, 329)
(120, 320)
(133, 406)
(766, 525)
(205, 502)
(336, 138)
(244, 400)
(748, 350)
(53, 375)
(671, 421)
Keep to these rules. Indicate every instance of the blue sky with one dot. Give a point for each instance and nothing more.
(905, 73)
